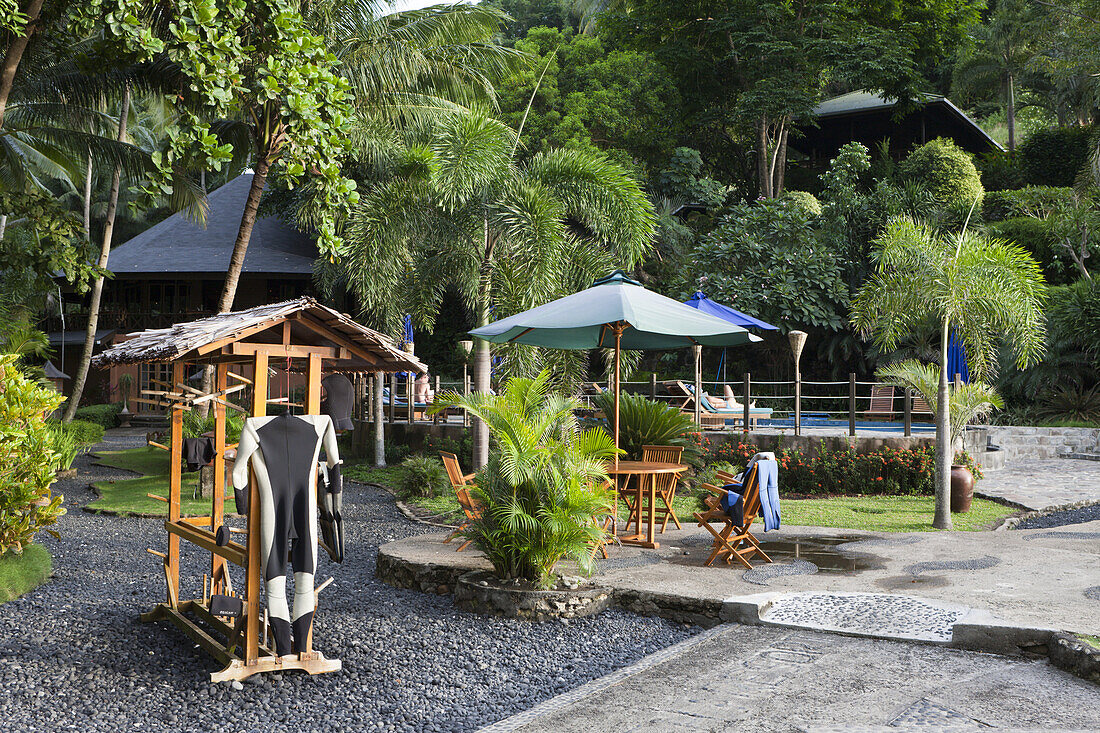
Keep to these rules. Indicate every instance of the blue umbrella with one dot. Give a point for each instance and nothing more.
(710, 307)
(956, 359)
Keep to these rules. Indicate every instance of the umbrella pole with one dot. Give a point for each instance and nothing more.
(618, 344)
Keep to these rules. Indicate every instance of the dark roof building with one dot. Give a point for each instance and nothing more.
(869, 118)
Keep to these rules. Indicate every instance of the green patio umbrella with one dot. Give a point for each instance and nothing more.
(615, 313)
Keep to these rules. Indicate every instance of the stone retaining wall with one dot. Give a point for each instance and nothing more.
(1075, 656)
(424, 577)
(1028, 443)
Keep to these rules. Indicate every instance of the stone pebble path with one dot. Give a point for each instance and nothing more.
(871, 614)
(1041, 484)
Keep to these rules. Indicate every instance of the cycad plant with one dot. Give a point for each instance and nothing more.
(644, 422)
(983, 289)
(545, 483)
(968, 401)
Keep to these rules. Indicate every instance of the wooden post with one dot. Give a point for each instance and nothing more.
(217, 503)
(175, 479)
(252, 579)
(852, 404)
(907, 410)
(747, 398)
(435, 416)
(393, 398)
(653, 386)
(698, 352)
(797, 403)
(409, 395)
(379, 421)
(313, 385)
(618, 327)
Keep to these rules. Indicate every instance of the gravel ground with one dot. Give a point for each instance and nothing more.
(74, 656)
(1061, 519)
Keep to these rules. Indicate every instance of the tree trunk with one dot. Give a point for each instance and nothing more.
(244, 233)
(1010, 113)
(88, 200)
(763, 175)
(97, 287)
(482, 374)
(379, 420)
(944, 457)
(779, 166)
(14, 54)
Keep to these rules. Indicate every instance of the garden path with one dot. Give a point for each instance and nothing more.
(769, 680)
(1041, 484)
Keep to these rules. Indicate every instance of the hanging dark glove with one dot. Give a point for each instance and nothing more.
(331, 508)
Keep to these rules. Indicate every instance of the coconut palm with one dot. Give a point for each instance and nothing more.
(969, 401)
(544, 484)
(457, 211)
(985, 290)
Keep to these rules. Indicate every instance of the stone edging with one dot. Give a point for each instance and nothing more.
(407, 511)
(1014, 522)
(1075, 656)
(480, 592)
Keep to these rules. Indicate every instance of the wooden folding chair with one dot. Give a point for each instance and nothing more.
(460, 482)
(606, 522)
(733, 540)
(666, 483)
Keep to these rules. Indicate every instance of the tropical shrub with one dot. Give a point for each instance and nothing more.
(1072, 404)
(544, 485)
(421, 476)
(946, 171)
(966, 402)
(28, 458)
(1036, 237)
(804, 201)
(463, 447)
(645, 422)
(105, 415)
(1054, 157)
(84, 433)
(1001, 171)
(64, 445)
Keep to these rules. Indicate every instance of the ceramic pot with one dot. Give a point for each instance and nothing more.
(962, 489)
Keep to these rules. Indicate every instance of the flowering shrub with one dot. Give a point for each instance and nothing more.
(894, 471)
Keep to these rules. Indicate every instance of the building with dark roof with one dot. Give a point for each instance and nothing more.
(870, 118)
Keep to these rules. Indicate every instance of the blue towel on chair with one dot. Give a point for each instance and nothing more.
(733, 504)
(767, 473)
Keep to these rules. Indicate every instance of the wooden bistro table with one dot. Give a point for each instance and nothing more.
(646, 487)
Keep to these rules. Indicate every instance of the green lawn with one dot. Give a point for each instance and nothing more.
(128, 496)
(20, 574)
(886, 513)
(1093, 641)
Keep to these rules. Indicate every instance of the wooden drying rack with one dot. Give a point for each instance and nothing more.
(243, 652)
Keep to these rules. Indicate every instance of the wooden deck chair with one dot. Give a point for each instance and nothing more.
(460, 482)
(733, 540)
(882, 403)
(666, 483)
(920, 406)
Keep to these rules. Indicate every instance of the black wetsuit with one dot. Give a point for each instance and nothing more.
(339, 399)
(283, 451)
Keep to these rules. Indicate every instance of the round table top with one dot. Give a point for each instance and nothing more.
(645, 467)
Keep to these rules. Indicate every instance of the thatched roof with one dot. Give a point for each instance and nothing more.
(311, 324)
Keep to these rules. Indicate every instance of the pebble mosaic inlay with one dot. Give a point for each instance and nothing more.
(1065, 535)
(925, 713)
(980, 563)
(1093, 593)
(873, 614)
(761, 574)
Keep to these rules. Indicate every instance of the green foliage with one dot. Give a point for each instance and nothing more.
(682, 179)
(966, 402)
(805, 202)
(544, 484)
(195, 424)
(1054, 157)
(72, 438)
(645, 422)
(105, 416)
(1071, 403)
(64, 445)
(764, 259)
(946, 171)
(1036, 237)
(1071, 217)
(21, 573)
(1000, 171)
(28, 458)
(421, 476)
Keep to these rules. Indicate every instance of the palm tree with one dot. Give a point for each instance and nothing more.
(457, 211)
(969, 401)
(544, 483)
(1005, 46)
(983, 289)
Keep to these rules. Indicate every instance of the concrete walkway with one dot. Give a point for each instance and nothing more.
(764, 680)
(1043, 484)
(1041, 579)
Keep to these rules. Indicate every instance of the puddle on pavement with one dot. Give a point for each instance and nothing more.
(901, 582)
(821, 551)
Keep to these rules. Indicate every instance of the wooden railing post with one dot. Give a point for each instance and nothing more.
(852, 404)
(748, 400)
(797, 403)
(653, 386)
(393, 398)
(698, 350)
(907, 410)
(410, 396)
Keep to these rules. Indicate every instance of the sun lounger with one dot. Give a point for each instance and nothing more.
(709, 415)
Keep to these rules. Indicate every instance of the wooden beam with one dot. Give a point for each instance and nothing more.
(204, 538)
(319, 328)
(252, 568)
(313, 385)
(277, 350)
(239, 378)
(238, 335)
(175, 478)
(209, 644)
(217, 505)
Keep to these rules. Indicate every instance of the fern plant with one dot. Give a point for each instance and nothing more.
(421, 476)
(645, 422)
(544, 484)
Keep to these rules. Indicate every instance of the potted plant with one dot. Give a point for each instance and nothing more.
(543, 487)
(967, 402)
